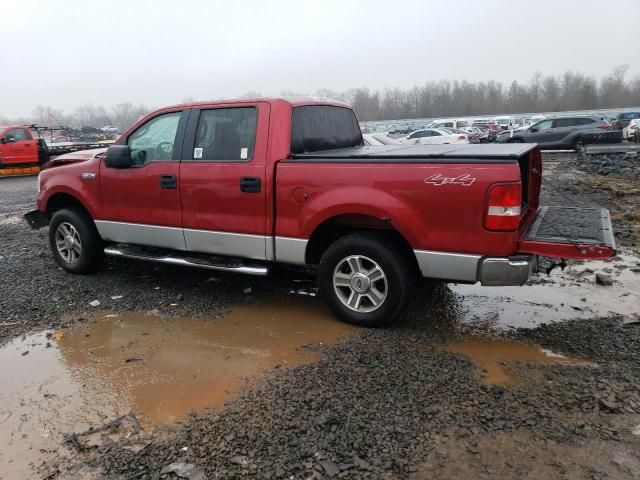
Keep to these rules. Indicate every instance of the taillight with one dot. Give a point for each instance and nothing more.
(503, 207)
(462, 137)
(605, 126)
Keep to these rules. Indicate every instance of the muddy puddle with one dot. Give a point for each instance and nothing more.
(56, 383)
(568, 294)
(489, 355)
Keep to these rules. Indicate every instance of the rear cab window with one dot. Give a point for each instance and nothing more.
(324, 127)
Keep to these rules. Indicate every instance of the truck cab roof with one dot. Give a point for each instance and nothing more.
(297, 101)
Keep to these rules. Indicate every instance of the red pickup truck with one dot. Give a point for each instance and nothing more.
(241, 185)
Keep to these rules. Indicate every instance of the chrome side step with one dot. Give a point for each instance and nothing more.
(172, 259)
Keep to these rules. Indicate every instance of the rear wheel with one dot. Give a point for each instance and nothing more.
(75, 242)
(365, 279)
(577, 143)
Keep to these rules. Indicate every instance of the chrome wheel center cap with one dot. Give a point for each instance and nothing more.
(68, 241)
(360, 283)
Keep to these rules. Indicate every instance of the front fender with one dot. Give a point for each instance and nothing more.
(84, 190)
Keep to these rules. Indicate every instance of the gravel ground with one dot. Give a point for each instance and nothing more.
(386, 403)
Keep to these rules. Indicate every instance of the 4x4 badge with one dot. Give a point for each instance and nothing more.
(437, 179)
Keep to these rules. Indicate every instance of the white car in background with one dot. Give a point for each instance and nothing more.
(435, 136)
(449, 123)
(631, 132)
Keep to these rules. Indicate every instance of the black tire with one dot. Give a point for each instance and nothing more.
(399, 278)
(576, 143)
(91, 249)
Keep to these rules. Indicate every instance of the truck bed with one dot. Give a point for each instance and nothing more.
(459, 153)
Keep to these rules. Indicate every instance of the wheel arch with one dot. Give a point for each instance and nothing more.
(60, 200)
(338, 226)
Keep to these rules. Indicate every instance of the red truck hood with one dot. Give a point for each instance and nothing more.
(74, 157)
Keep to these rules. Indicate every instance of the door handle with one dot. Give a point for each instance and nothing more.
(168, 181)
(250, 184)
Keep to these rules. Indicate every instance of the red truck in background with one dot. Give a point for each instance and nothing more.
(23, 149)
(241, 185)
(18, 147)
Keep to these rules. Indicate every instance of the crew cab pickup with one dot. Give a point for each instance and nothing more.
(242, 185)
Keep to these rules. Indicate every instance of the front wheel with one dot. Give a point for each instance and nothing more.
(75, 242)
(365, 279)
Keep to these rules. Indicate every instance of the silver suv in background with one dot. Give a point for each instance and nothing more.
(562, 132)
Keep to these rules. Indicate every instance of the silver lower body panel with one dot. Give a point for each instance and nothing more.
(462, 267)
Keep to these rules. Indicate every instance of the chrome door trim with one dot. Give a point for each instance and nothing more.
(226, 243)
(258, 247)
(141, 234)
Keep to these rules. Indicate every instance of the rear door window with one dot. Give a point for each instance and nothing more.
(584, 121)
(226, 134)
(564, 122)
(324, 127)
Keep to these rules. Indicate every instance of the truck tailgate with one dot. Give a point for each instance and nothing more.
(569, 232)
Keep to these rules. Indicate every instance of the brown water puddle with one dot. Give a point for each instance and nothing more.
(489, 354)
(158, 368)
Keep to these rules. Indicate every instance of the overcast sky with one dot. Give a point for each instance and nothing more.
(66, 53)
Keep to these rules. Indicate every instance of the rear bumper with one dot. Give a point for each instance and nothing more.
(504, 271)
(465, 268)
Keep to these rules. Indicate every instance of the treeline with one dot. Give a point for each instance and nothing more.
(121, 115)
(444, 98)
(570, 91)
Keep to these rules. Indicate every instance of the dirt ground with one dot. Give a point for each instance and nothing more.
(224, 376)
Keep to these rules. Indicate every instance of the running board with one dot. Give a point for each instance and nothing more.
(187, 261)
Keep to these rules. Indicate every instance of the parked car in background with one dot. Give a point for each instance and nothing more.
(624, 118)
(490, 124)
(489, 135)
(506, 122)
(472, 136)
(110, 129)
(480, 134)
(557, 133)
(631, 132)
(449, 123)
(435, 136)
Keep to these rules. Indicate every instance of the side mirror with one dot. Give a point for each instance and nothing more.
(118, 156)
(3, 140)
(533, 130)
